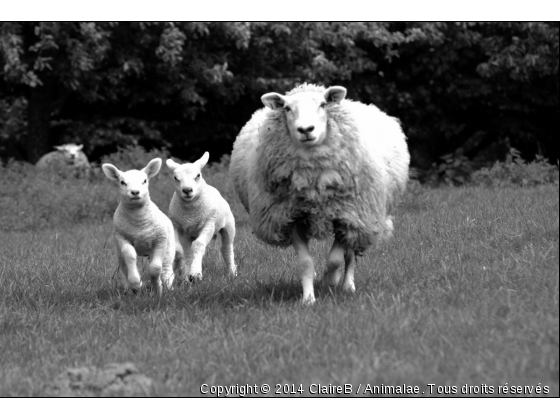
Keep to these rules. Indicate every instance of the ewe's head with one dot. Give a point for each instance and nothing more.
(70, 151)
(188, 178)
(306, 112)
(133, 184)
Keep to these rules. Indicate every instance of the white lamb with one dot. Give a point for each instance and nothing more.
(67, 159)
(313, 164)
(199, 213)
(141, 228)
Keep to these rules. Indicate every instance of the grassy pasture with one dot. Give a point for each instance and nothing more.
(465, 293)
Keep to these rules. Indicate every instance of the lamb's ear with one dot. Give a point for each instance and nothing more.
(172, 164)
(335, 94)
(60, 148)
(111, 172)
(273, 100)
(153, 167)
(203, 160)
(80, 147)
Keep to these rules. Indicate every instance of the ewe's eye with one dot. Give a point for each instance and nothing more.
(176, 179)
(197, 177)
(323, 104)
(123, 183)
(287, 108)
(144, 182)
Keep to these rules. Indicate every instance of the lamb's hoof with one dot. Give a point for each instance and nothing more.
(193, 278)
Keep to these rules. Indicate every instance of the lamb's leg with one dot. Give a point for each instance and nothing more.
(198, 249)
(228, 234)
(305, 264)
(350, 266)
(128, 254)
(160, 267)
(178, 259)
(154, 269)
(335, 260)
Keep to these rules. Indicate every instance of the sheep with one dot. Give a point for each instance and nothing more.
(312, 164)
(67, 158)
(141, 228)
(199, 213)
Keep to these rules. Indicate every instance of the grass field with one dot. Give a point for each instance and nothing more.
(466, 293)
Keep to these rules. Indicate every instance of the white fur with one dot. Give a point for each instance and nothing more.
(309, 127)
(67, 158)
(141, 228)
(199, 213)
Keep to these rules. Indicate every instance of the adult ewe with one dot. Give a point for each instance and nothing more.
(141, 228)
(67, 159)
(313, 164)
(199, 213)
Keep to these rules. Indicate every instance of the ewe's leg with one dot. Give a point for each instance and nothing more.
(305, 264)
(198, 250)
(228, 234)
(335, 260)
(350, 262)
(128, 254)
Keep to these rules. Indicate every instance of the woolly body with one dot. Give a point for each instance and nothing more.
(346, 185)
(67, 159)
(199, 213)
(141, 228)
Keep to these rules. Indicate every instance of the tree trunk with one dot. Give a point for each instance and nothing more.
(38, 120)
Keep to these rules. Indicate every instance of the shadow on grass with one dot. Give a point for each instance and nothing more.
(214, 296)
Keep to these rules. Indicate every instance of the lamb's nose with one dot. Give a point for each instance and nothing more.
(187, 190)
(304, 130)
(135, 192)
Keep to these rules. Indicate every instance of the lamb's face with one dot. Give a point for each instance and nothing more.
(188, 177)
(70, 151)
(306, 113)
(133, 184)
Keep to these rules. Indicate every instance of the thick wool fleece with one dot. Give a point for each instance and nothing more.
(58, 162)
(344, 186)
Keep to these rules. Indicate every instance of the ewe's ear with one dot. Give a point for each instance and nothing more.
(335, 94)
(203, 160)
(111, 172)
(153, 167)
(80, 147)
(60, 148)
(171, 164)
(273, 100)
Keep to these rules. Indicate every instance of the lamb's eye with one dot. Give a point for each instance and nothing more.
(176, 179)
(123, 183)
(144, 182)
(287, 108)
(197, 177)
(323, 104)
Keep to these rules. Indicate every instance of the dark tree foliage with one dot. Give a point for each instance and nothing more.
(468, 90)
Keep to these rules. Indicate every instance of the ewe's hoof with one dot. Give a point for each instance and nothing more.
(308, 301)
(193, 278)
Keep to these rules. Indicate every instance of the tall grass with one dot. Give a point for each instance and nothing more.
(465, 293)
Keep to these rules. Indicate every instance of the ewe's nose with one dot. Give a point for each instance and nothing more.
(305, 130)
(187, 190)
(135, 192)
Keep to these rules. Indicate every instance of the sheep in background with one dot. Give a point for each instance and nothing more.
(67, 159)
(315, 165)
(141, 228)
(199, 213)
